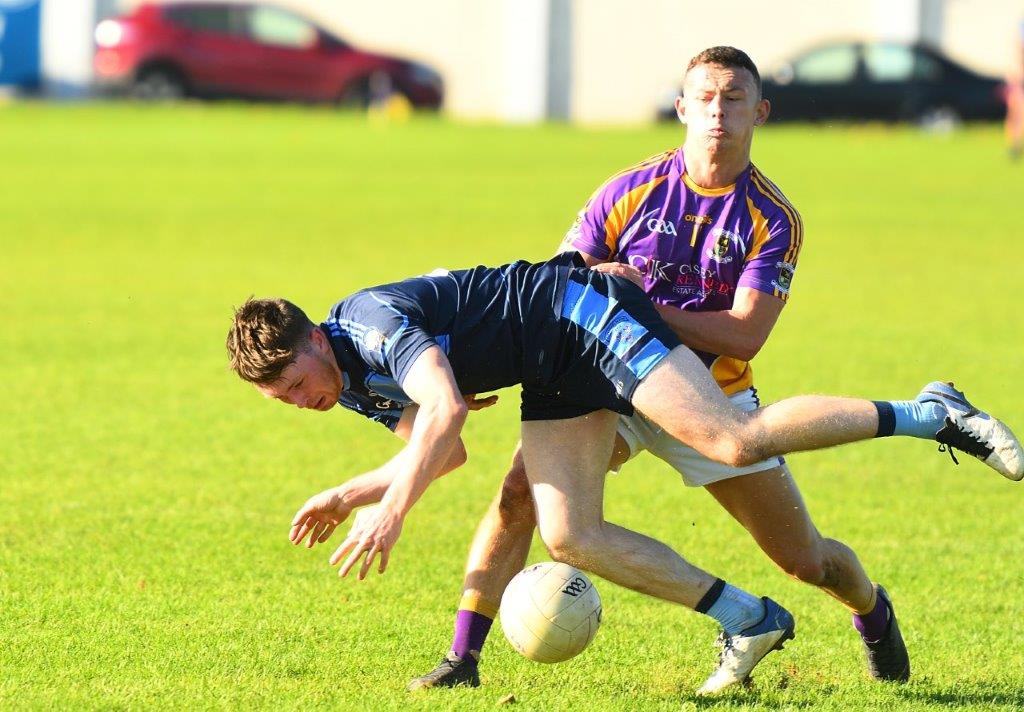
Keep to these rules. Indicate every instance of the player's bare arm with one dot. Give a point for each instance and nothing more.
(739, 332)
(435, 434)
(323, 512)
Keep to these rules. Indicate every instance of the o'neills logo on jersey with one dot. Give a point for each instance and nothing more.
(700, 219)
(621, 335)
(723, 240)
(662, 227)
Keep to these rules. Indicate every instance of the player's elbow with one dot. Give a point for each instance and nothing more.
(747, 347)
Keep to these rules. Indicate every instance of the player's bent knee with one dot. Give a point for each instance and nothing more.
(573, 548)
(735, 451)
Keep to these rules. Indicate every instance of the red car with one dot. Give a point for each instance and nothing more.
(258, 51)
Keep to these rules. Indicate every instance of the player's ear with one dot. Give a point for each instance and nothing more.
(317, 338)
(764, 108)
(681, 110)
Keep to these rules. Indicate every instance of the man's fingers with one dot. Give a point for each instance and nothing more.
(314, 534)
(302, 514)
(327, 532)
(365, 568)
(385, 556)
(353, 558)
(339, 553)
(300, 532)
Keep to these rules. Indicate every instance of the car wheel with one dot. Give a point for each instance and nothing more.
(373, 90)
(158, 84)
(939, 118)
(356, 95)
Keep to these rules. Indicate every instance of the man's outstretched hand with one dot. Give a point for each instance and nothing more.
(375, 530)
(318, 517)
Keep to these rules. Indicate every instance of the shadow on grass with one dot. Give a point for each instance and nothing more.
(957, 695)
(965, 695)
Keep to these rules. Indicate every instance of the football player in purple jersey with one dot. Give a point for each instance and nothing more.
(715, 243)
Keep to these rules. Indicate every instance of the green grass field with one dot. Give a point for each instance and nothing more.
(146, 493)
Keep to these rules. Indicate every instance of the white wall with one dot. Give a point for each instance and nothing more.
(66, 46)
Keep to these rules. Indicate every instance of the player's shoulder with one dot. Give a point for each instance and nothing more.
(639, 174)
(770, 201)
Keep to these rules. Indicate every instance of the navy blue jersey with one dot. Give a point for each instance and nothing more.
(576, 339)
(475, 315)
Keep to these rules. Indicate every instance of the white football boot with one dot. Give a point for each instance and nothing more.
(743, 651)
(975, 432)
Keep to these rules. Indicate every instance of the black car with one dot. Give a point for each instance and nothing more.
(881, 81)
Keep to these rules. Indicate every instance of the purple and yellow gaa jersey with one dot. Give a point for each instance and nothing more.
(694, 246)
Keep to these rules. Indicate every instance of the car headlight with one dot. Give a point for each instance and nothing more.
(109, 33)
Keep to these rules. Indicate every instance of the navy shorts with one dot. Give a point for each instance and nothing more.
(610, 338)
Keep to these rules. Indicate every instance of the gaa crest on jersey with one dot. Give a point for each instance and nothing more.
(373, 340)
(785, 277)
(723, 240)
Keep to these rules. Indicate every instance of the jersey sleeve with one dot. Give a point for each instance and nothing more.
(589, 233)
(392, 340)
(771, 263)
(403, 348)
(600, 224)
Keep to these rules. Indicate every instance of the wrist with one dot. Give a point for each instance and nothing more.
(346, 496)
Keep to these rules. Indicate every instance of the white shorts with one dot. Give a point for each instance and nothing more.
(641, 434)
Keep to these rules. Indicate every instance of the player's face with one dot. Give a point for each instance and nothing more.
(720, 107)
(312, 380)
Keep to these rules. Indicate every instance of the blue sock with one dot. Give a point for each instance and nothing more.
(734, 609)
(911, 418)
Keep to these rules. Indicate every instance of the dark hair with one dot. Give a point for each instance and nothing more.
(265, 338)
(727, 57)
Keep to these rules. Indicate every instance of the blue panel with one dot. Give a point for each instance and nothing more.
(647, 358)
(590, 311)
(573, 293)
(19, 43)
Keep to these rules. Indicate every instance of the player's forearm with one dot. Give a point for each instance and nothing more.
(717, 332)
(433, 445)
(369, 488)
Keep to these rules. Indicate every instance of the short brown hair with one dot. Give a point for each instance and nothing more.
(265, 338)
(727, 57)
